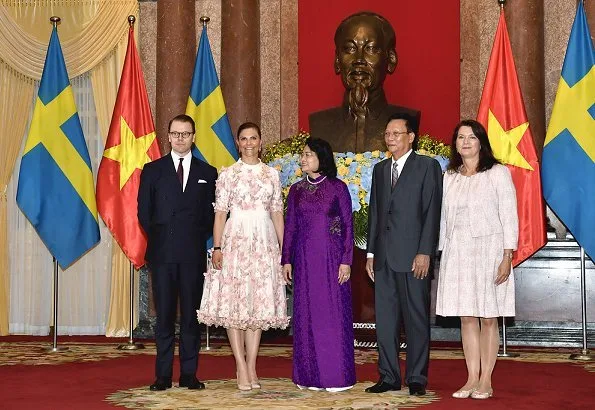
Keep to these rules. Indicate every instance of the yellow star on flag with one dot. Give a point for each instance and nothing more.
(131, 153)
(504, 143)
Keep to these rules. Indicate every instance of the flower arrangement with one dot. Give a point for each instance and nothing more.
(353, 169)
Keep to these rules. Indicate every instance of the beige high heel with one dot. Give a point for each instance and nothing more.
(480, 395)
(463, 394)
(255, 384)
(243, 387)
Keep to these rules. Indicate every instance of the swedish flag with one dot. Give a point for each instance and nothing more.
(56, 191)
(214, 139)
(568, 164)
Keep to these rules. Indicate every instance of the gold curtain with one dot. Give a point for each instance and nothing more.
(17, 93)
(93, 36)
(95, 27)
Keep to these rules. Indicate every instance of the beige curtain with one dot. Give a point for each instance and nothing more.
(93, 36)
(17, 92)
(105, 79)
(94, 28)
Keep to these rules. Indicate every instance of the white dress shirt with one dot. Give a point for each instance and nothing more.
(400, 164)
(185, 165)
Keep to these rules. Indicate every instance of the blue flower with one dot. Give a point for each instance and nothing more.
(443, 161)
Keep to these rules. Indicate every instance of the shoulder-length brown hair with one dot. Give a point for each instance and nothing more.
(486, 155)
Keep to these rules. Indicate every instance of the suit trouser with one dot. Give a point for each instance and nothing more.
(400, 295)
(168, 281)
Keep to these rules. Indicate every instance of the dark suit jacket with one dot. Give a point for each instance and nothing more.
(404, 221)
(177, 223)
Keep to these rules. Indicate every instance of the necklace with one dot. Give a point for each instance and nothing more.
(315, 183)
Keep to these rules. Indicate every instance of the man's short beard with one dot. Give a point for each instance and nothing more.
(358, 100)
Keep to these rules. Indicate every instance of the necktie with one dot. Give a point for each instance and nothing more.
(180, 172)
(394, 176)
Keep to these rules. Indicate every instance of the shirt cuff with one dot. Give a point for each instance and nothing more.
(369, 255)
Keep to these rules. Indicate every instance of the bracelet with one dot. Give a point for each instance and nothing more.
(216, 248)
(508, 255)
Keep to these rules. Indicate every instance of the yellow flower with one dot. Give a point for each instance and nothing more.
(358, 169)
(359, 157)
(342, 170)
(298, 172)
(357, 181)
(348, 161)
(375, 154)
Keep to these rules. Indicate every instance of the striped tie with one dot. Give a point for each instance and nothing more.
(394, 175)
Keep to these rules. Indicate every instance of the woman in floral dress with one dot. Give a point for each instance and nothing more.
(244, 289)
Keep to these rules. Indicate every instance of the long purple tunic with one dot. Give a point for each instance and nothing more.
(318, 238)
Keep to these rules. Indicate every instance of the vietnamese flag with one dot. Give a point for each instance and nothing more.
(131, 143)
(502, 113)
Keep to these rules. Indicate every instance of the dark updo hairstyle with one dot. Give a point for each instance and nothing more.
(486, 155)
(248, 125)
(324, 152)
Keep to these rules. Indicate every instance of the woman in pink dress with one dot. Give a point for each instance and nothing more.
(478, 235)
(244, 290)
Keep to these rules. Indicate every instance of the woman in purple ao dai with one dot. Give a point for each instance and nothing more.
(316, 257)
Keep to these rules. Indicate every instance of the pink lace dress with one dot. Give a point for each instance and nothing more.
(249, 291)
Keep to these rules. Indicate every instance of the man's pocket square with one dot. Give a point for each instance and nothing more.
(202, 181)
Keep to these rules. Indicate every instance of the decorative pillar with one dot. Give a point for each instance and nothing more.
(176, 52)
(240, 60)
(590, 12)
(525, 21)
(289, 68)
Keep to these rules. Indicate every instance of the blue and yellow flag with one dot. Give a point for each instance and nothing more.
(214, 139)
(568, 163)
(56, 191)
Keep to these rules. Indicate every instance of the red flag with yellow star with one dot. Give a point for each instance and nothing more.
(502, 113)
(131, 143)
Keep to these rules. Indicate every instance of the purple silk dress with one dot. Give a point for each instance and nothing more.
(318, 238)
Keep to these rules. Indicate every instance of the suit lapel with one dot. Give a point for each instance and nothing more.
(386, 188)
(404, 176)
(192, 175)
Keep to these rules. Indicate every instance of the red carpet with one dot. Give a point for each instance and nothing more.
(540, 379)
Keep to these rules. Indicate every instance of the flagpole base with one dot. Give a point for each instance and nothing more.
(508, 354)
(584, 356)
(56, 349)
(131, 346)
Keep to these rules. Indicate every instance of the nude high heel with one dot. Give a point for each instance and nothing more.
(463, 394)
(242, 387)
(479, 395)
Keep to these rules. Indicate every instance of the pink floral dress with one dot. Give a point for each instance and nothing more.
(249, 291)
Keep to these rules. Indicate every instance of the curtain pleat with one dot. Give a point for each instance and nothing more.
(93, 36)
(88, 46)
(17, 92)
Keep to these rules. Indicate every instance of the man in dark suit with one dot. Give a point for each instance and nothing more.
(403, 224)
(175, 209)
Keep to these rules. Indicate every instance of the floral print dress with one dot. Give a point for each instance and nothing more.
(249, 291)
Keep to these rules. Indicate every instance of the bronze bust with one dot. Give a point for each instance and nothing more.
(364, 53)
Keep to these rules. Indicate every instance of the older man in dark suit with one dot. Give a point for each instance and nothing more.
(404, 219)
(175, 209)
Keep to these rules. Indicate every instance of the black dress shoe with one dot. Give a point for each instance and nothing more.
(417, 389)
(191, 382)
(160, 384)
(382, 387)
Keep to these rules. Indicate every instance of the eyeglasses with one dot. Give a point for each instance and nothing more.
(394, 134)
(183, 135)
